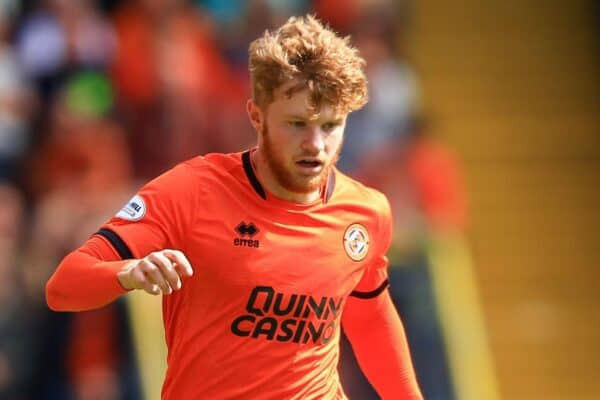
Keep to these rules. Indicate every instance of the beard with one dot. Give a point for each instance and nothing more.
(286, 177)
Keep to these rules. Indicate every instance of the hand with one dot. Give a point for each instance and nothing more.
(159, 271)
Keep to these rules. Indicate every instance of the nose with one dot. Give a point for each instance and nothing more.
(314, 141)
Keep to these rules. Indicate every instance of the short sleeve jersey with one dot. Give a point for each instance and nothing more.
(260, 317)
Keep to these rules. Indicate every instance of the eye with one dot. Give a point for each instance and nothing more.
(296, 124)
(329, 126)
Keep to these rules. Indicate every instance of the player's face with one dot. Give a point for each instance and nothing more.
(300, 148)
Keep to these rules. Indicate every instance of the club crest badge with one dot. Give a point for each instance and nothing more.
(134, 210)
(356, 242)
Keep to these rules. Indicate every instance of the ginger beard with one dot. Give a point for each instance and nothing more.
(287, 178)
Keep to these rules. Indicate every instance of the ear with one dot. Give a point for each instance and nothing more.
(255, 115)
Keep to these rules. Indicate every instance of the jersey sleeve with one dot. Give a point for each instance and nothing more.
(380, 345)
(157, 217)
(375, 279)
(86, 278)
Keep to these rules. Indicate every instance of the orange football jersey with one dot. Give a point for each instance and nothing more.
(260, 318)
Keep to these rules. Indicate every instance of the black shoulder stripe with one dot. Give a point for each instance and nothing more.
(251, 176)
(372, 293)
(116, 242)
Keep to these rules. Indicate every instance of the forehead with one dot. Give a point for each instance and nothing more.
(298, 103)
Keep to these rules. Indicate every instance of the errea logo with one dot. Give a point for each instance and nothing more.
(246, 231)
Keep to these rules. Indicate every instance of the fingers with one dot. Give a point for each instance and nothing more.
(181, 262)
(167, 269)
(141, 282)
(161, 271)
(154, 274)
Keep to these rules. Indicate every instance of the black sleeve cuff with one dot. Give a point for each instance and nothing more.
(372, 293)
(116, 242)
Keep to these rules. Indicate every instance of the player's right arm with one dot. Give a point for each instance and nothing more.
(91, 276)
(140, 248)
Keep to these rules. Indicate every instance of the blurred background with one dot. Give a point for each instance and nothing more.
(483, 129)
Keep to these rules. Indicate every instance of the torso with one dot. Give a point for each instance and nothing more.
(260, 318)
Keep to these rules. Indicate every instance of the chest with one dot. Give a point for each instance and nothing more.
(291, 252)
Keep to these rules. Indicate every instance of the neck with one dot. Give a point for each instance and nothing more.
(272, 185)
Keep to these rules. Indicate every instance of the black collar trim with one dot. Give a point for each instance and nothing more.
(251, 175)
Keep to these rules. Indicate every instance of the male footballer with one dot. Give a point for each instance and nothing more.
(262, 256)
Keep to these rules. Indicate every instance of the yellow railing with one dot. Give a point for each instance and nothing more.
(461, 317)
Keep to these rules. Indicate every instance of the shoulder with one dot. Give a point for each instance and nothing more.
(198, 172)
(212, 163)
(350, 190)
(189, 182)
(369, 206)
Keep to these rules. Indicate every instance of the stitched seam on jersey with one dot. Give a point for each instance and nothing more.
(251, 176)
(372, 293)
(116, 241)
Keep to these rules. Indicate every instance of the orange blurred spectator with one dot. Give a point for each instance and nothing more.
(82, 166)
(84, 149)
(176, 91)
(342, 15)
(92, 358)
(423, 180)
(435, 172)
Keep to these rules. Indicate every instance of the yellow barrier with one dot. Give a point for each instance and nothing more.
(462, 320)
(145, 313)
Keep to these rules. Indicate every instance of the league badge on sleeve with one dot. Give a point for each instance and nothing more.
(134, 210)
(356, 242)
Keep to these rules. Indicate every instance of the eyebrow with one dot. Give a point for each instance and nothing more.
(296, 116)
(337, 120)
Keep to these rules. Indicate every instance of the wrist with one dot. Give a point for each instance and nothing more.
(124, 274)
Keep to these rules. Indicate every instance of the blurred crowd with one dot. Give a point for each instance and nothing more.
(97, 97)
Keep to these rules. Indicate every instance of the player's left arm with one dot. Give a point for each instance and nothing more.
(372, 324)
(375, 331)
